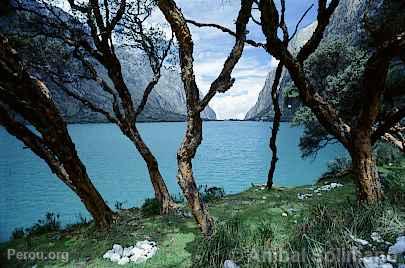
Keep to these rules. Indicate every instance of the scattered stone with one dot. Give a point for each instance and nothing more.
(141, 252)
(303, 196)
(115, 257)
(328, 187)
(398, 247)
(264, 197)
(123, 261)
(108, 254)
(360, 241)
(376, 237)
(118, 249)
(230, 264)
(375, 262)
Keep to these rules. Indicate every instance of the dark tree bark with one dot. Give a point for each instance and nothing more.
(195, 106)
(275, 93)
(358, 136)
(101, 33)
(23, 94)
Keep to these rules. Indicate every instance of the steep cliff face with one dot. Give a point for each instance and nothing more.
(346, 22)
(263, 109)
(165, 103)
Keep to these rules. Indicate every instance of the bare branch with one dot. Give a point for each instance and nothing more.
(224, 80)
(225, 30)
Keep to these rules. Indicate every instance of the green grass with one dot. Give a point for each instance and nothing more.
(178, 238)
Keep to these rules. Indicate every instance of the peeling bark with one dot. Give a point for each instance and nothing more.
(365, 169)
(222, 83)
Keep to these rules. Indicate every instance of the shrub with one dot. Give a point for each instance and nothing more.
(151, 207)
(394, 186)
(209, 194)
(386, 153)
(50, 223)
(17, 233)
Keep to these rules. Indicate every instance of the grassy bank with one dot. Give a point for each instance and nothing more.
(284, 217)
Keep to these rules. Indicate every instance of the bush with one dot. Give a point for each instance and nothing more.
(232, 240)
(50, 223)
(338, 165)
(394, 187)
(151, 207)
(209, 194)
(330, 230)
(386, 154)
(17, 233)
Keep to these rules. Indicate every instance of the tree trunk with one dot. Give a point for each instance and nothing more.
(31, 99)
(276, 124)
(365, 169)
(161, 192)
(91, 198)
(185, 175)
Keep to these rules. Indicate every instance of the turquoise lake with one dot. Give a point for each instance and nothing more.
(233, 155)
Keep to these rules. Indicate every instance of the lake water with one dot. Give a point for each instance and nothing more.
(233, 155)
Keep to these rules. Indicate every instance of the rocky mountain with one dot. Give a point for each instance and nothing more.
(346, 22)
(167, 101)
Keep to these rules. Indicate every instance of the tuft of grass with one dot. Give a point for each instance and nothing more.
(233, 240)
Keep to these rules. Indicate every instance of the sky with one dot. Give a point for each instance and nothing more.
(211, 47)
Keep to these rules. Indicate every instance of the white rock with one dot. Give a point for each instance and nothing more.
(115, 257)
(136, 252)
(375, 262)
(230, 264)
(138, 259)
(391, 259)
(108, 254)
(398, 247)
(127, 251)
(360, 241)
(123, 261)
(284, 214)
(376, 237)
(152, 252)
(118, 249)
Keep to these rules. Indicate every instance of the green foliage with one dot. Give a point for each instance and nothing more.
(232, 240)
(151, 207)
(50, 223)
(386, 154)
(335, 70)
(17, 233)
(394, 186)
(210, 194)
(338, 165)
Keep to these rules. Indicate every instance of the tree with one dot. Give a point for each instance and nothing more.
(275, 94)
(195, 105)
(23, 94)
(368, 124)
(105, 22)
(359, 134)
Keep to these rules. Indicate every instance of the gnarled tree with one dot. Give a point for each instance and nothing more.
(358, 135)
(23, 94)
(369, 124)
(105, 22)
(195, 105)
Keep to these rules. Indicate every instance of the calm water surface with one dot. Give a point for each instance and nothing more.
(233, 155)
